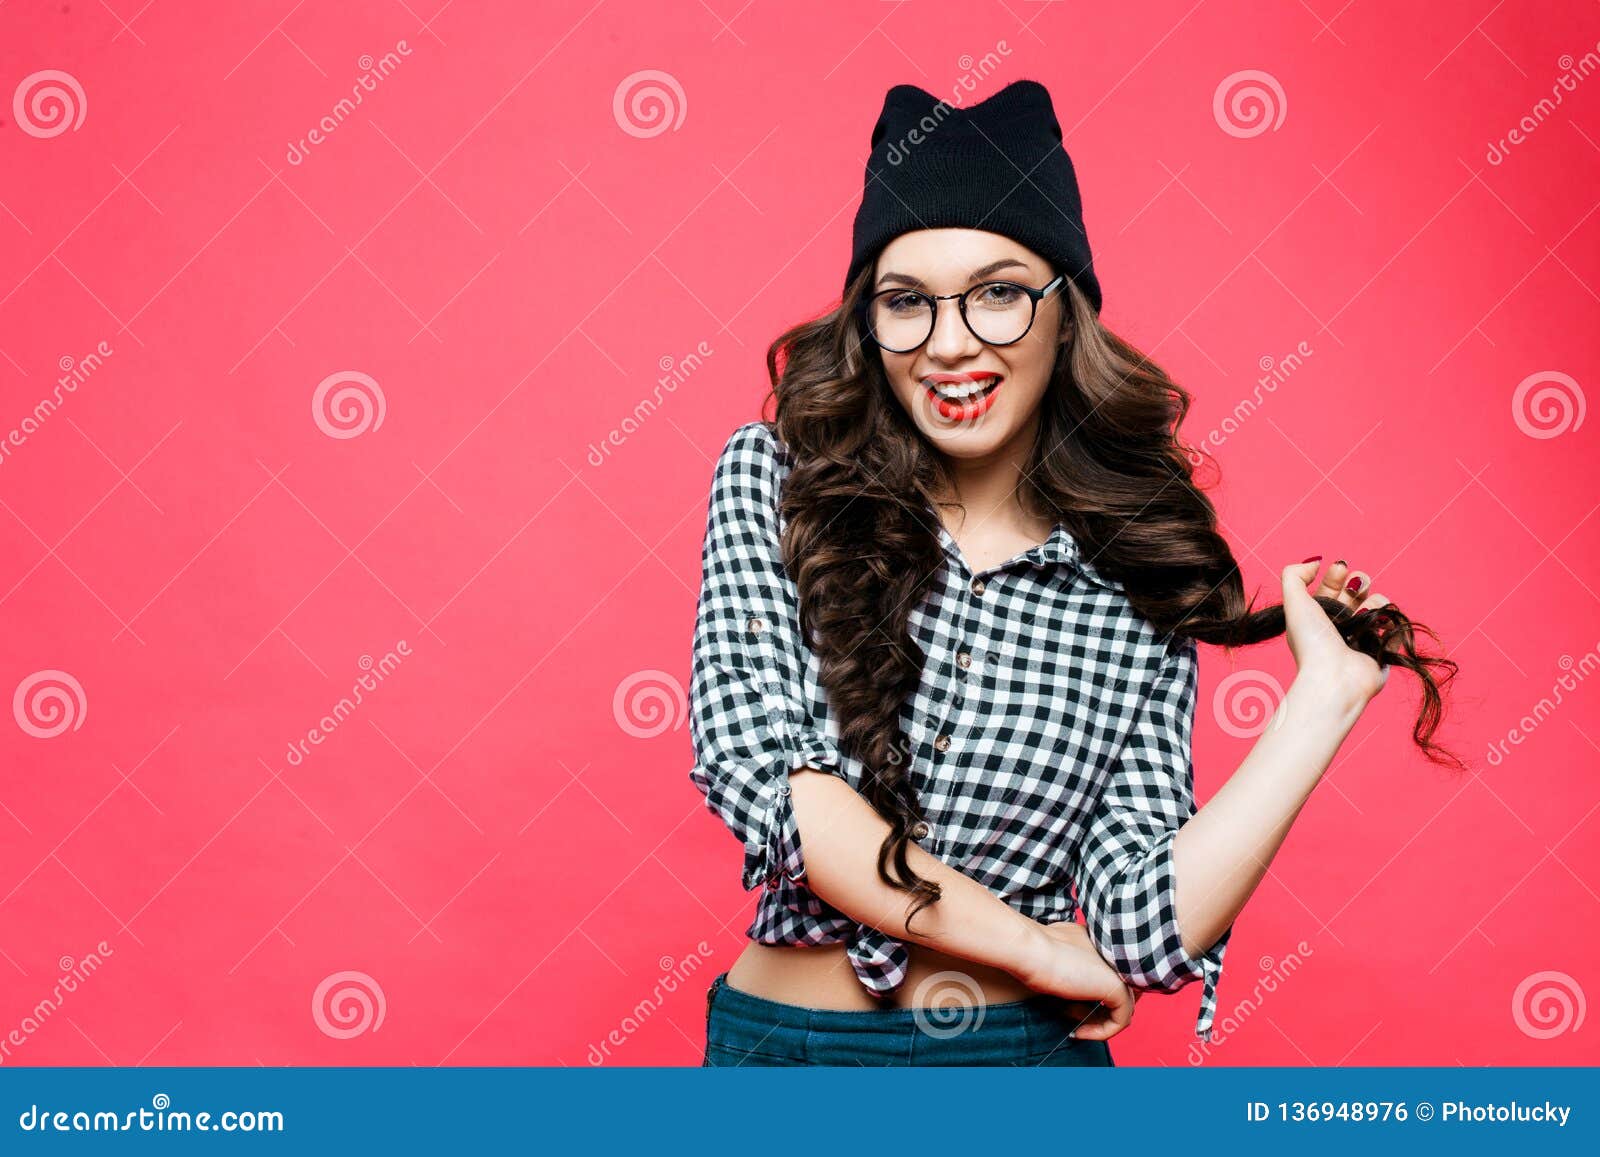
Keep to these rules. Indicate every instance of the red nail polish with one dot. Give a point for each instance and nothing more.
(1354, 584)
(1313, 558)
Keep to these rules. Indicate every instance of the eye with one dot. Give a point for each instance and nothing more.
(903, 302)
(999, 293)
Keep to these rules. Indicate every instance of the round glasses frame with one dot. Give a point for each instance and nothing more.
(1035, 296)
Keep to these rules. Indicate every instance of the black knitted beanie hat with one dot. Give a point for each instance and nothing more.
(998, 165)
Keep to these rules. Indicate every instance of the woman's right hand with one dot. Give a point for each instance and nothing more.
(1063, 961)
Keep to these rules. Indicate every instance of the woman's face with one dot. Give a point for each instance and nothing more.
(928, 380)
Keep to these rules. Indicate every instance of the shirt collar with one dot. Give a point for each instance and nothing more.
(1060, 549)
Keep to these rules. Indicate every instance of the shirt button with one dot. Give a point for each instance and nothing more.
(942, 743)
(963, 660)
(920, 831)
(977, 586)
(756, 624)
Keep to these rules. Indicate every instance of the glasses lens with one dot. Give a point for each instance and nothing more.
(900, 320)
(999, 312)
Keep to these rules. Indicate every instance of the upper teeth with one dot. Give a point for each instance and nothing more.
(960, 390)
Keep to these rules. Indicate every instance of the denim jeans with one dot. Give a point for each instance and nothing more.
(745, 1029)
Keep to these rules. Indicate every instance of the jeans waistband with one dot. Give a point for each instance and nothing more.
(1040, 1008)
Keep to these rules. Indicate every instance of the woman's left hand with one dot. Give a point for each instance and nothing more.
(1315, 643)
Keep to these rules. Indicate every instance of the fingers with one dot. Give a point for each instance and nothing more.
(1332, 580)
(1345, 584)
(1102, 1024)
(1357, 586)
(1101, 1019)
(1373, 602)
(1337, 582)
(1297, 576)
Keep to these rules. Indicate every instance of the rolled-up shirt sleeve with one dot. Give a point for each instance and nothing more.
(1124, 869)
(749, 714)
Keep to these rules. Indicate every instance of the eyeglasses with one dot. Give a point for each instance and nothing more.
(996, 313)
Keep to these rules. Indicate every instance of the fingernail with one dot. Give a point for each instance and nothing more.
(1354, 584)
(1313, 558)
(1339, 562)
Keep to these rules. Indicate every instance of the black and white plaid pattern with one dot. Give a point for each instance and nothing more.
(1050, 737)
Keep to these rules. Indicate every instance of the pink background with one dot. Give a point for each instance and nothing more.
(503, 838)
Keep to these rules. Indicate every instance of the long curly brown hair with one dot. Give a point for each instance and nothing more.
(861, 541)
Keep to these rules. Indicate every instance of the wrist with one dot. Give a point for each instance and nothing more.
(1327, 695)
(1031, 948)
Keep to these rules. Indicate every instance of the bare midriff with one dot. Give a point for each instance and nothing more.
(820, 976)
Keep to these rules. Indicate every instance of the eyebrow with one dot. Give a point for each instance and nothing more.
(977, 274)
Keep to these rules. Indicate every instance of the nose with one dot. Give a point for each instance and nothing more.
(951, 340)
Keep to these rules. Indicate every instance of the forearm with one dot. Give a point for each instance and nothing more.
(1222, 852)
(840, 833)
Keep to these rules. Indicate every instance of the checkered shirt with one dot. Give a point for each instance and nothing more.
(1050, 738)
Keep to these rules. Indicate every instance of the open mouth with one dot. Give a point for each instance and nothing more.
(963, 401)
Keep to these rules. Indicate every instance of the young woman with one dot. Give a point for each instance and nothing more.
(945, 651)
